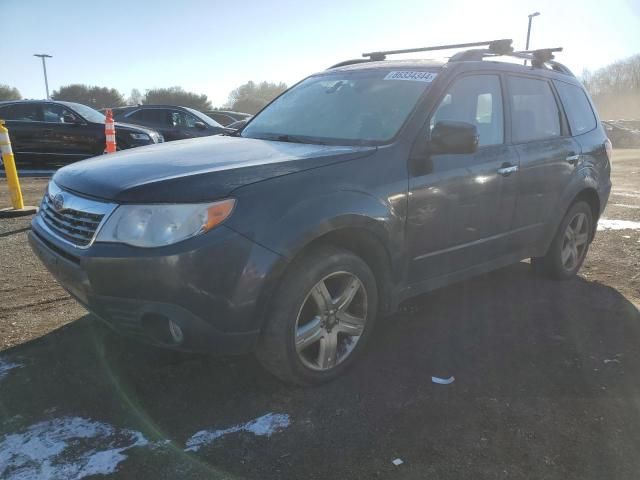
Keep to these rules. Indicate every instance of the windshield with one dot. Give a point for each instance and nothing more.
(87, 113)
(203, 118)
(342, 108)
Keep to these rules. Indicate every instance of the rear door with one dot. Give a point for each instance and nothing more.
(24, 122)
(461, 205)
(155, 118)
(548, 155)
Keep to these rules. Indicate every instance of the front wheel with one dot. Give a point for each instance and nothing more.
(570, 245)
(321, 317)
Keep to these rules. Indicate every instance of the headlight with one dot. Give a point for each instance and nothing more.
(159, 225)
(140, 136)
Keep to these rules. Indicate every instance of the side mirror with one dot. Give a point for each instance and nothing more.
(200, 125)
(453, 137)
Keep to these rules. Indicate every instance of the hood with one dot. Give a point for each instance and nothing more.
(194, 170)
(127, 127)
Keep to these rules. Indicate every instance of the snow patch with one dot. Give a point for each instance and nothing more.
(264, 426)
(609, 224)
(6, 367)
(64, 448)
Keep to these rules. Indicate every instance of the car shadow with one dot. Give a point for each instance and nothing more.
(535, 362)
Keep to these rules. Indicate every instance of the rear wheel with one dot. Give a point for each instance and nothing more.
(321, 317)
(570, 245)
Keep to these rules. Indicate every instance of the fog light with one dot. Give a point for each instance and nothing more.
(176, 332)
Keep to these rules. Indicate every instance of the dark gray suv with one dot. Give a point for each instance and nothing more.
(357, 188)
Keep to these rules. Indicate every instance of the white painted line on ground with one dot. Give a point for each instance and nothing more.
(64, 448)
(624, 205)
(610, 224)
(626, 194)
(263, 426)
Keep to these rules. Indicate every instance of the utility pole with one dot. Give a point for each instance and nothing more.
(535, 14)
(44, 69)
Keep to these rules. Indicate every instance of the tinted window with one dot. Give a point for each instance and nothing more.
(154, 116)
(475, 99)
(27, 112)
(54, 113)
(534, 114)
(577, 107)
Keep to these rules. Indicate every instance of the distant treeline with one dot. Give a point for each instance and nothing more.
(249, 97)
(615, 89)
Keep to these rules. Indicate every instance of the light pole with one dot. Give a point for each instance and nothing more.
(44, 68)
(535, 14)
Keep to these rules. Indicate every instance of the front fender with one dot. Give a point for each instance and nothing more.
(314, 217)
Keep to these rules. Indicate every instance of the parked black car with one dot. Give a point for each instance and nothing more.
(44, 131)
(173, 122)
(227, 117)
(361, 186)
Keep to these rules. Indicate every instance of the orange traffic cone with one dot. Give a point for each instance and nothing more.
(110, 132)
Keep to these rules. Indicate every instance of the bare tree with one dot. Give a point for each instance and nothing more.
(615, 89)
(252, 97)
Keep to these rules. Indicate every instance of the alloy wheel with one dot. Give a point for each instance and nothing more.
(575, 241)
(331, 321)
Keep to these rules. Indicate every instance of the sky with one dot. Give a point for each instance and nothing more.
(212, 47)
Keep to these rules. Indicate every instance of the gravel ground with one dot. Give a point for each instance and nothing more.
(546, 382)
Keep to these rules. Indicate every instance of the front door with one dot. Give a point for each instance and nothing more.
(461, 205)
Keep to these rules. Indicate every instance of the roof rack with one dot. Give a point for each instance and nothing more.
(494, 45)
(539, 58)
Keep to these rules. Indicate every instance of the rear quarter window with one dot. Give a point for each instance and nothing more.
(577, 107)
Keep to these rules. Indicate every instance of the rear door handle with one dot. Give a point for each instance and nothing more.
(573, 159)
(47, 131)
(507, 170)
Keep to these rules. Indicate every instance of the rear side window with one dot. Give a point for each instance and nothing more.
(534, 111)
(154, 116)
(577, 107)
(475, 99)
(25, 112)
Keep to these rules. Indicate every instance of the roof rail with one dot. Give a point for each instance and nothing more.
(494, 45)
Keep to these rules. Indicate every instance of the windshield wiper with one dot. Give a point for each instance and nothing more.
(296, 139)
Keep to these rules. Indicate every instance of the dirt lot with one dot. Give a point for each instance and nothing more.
(547, 381)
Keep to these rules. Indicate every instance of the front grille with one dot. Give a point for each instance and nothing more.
(72, 218)
(72, 225)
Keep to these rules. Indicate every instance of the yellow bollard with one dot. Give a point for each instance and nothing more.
(12, 178)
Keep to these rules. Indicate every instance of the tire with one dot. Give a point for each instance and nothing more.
(569, 246)
(299, 338)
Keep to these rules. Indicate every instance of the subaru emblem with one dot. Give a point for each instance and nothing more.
(58, 202)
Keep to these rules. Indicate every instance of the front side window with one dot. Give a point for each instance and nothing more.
(576, 106)
(24, 112)
(534, 111)
(475, 99)
(54, 113)
(182, 119)
(343, 108)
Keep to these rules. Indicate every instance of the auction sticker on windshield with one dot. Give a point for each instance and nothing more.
(411, 76)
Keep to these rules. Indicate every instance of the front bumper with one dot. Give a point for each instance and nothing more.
(213, 287)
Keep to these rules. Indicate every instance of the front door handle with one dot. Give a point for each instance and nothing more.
(573, 159)
(47, 131)
(507, 170)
